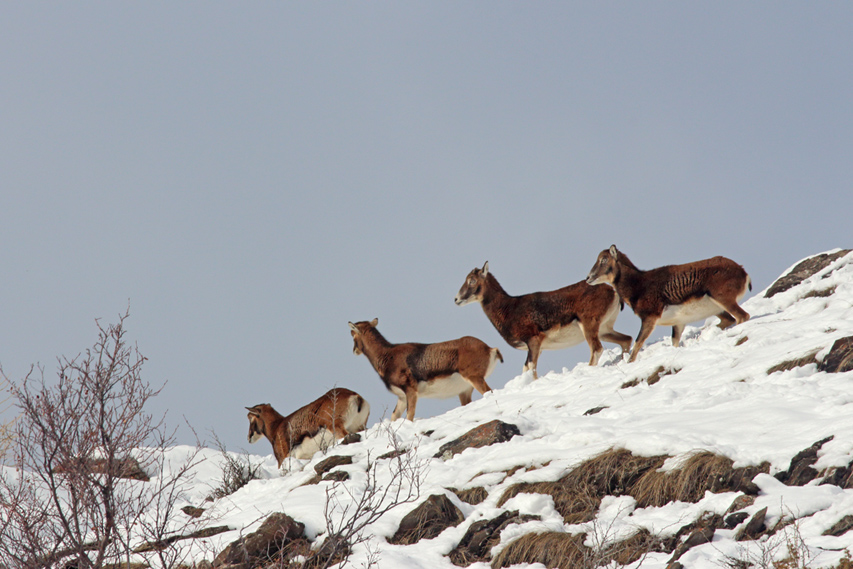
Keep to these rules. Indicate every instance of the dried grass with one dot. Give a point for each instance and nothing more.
(702, 471)
(797, 362)
(555, 550)
(578, 494)
(472, 496)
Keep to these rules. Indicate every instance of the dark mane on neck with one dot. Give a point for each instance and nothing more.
(623, 258)
(494, 284)
(377, 337)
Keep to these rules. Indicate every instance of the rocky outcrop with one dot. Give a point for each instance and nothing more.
(840, 357)
(279, 534)
(800, 471)
(482, 535)
(486, 434)
(804, 270)
(433, 516)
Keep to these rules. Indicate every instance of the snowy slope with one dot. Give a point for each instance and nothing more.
(720, 398)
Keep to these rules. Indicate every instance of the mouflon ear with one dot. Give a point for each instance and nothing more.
(485, 269)
(613, 251)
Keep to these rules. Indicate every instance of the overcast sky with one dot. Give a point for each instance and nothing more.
(248, 177)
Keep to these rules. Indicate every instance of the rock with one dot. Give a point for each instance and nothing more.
(200, 534)
(837, 476)
(733, 520)
(840, 357)
(486, 434)
(800, 472)
(192, 511)
(471, 496)
(595, 410)
(753, 528)
(433, 516)
(326, 465)
(336, 476)
(276, 532)
(840, 527)
(351, 438)
(698, 536)
(482, 535)
(804, 270)
(127, 467)
(392, 454)
(740, 503)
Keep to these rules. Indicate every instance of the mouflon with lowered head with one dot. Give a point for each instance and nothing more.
(314, 427)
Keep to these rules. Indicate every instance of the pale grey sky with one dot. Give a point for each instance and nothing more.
(250, 176)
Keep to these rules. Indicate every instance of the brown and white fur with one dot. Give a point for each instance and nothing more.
(547, 320)
(674, 295)
(314, 427)
(437, 371)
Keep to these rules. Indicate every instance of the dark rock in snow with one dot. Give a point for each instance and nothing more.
(840, 357)
(351, 439)
(840, 527)
(804, 270)
(276, 533)
(432, 517)
(337, 476)
(326, 465)
(486, 434)
(733, 520)
(800, 472)
(482, 535)
(192, 511)
(595, 410)
(753, 528)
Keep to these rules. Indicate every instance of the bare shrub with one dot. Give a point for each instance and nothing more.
(237, 471)
(348, 513)
(65, 501)
(6, 402)
(765, 553)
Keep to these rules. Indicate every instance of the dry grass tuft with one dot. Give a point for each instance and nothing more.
(820, 293)
(552, 549)
(636, 547)
(472, 496)
(652, 379)
(578, 494)
(701, 472)
(797, 362)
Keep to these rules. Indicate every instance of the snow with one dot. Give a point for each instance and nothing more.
(718, 397)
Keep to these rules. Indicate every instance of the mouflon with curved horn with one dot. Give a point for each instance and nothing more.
(547, 320)
(412, 370)
(674, 295)
(314, 427)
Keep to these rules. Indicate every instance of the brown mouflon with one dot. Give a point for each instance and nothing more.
(415, 370)
(547, 320)
(674, 295)
(314, 427)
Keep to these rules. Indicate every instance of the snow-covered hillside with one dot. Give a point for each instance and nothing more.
(717, 392)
